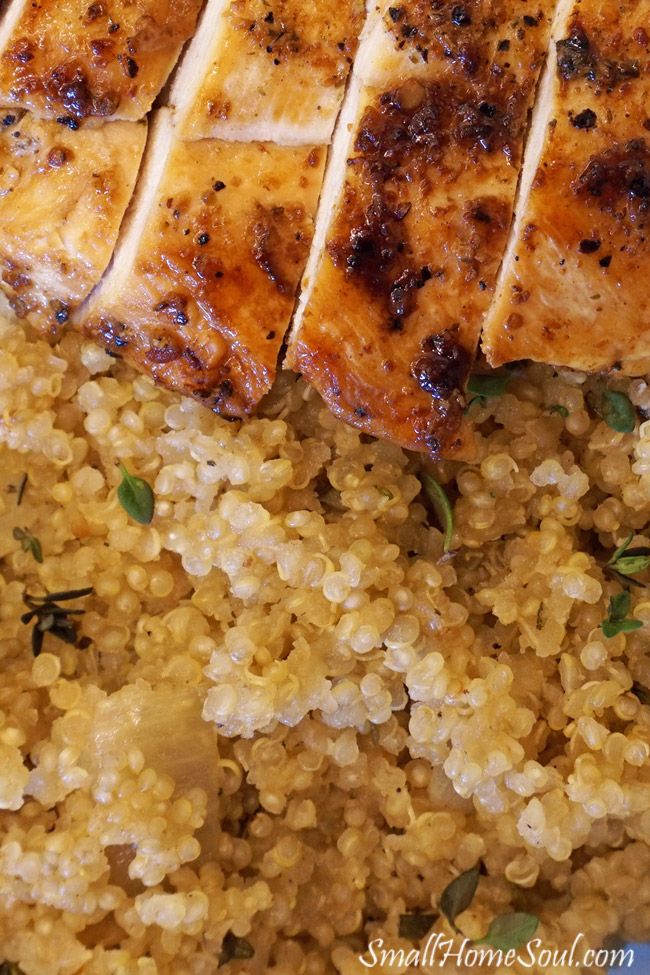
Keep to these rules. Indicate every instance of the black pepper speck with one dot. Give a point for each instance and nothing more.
(589, 246)
(586, 119)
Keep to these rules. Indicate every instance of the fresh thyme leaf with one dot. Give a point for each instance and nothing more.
(618, 412)
(510, 931)
(442, 507)
(632, 563)
(612, 628)
(612, 406)
(559, 409)
(459, 894)
(489, 384)
(29, 543)
(622, 548)
(627, 562)
(641, 692)
(415, 926)
(619, 606)
(235, 948)
(616, 622)
(22, 484)
(136, 497)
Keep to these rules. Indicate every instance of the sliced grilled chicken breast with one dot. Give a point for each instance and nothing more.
(63, 195)
(203, 284)
(77, 60)
(574, 289)
(272, 71)
(441, 39)
(421, 188)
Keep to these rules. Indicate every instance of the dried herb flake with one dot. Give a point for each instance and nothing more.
(51, 618)
(20, 494)
(234, 949)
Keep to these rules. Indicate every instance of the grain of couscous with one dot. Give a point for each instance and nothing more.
(289, 720)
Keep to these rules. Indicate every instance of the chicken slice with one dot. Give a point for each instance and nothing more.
(574, 289)
(442, 39)
(75, 60)
(63, 195)
(268, 70)
(203, 284)
(400, 278)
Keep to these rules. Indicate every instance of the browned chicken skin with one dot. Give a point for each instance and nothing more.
(202, 295)
(275, 71)
(63, 195)
(575, 286)
(78, 60)
(393, 305)
(415, 250)
(203, 285)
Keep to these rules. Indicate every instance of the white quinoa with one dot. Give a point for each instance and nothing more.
(291, 718)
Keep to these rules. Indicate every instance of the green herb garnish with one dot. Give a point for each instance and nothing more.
(488, 385)
(136, 497)
(385, 493)
(442, 507)
(510, 931)
(29, 543)
(234, 949)
(618, 412)
(415, 926)
(628, 562)
(616, 622)
(559, 409)
(614, 407)
(459, 894)
(52, 618)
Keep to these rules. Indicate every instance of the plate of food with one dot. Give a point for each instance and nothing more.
(324, 486)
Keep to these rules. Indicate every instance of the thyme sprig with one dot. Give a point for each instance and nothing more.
(52, 618)
(29, 543)
(627, 562)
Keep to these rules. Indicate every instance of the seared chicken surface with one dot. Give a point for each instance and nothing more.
(575, 288)
(63, 194)
(76, 60)
(271, 71)
(203, 284)
(395, 177)
(204, 287)
(393, 303)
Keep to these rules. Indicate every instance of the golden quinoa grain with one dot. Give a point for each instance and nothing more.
(291, 718)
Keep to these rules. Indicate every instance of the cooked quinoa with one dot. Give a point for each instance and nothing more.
(290, 718)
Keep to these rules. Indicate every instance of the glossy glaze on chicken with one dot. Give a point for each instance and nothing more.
(489, 173)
